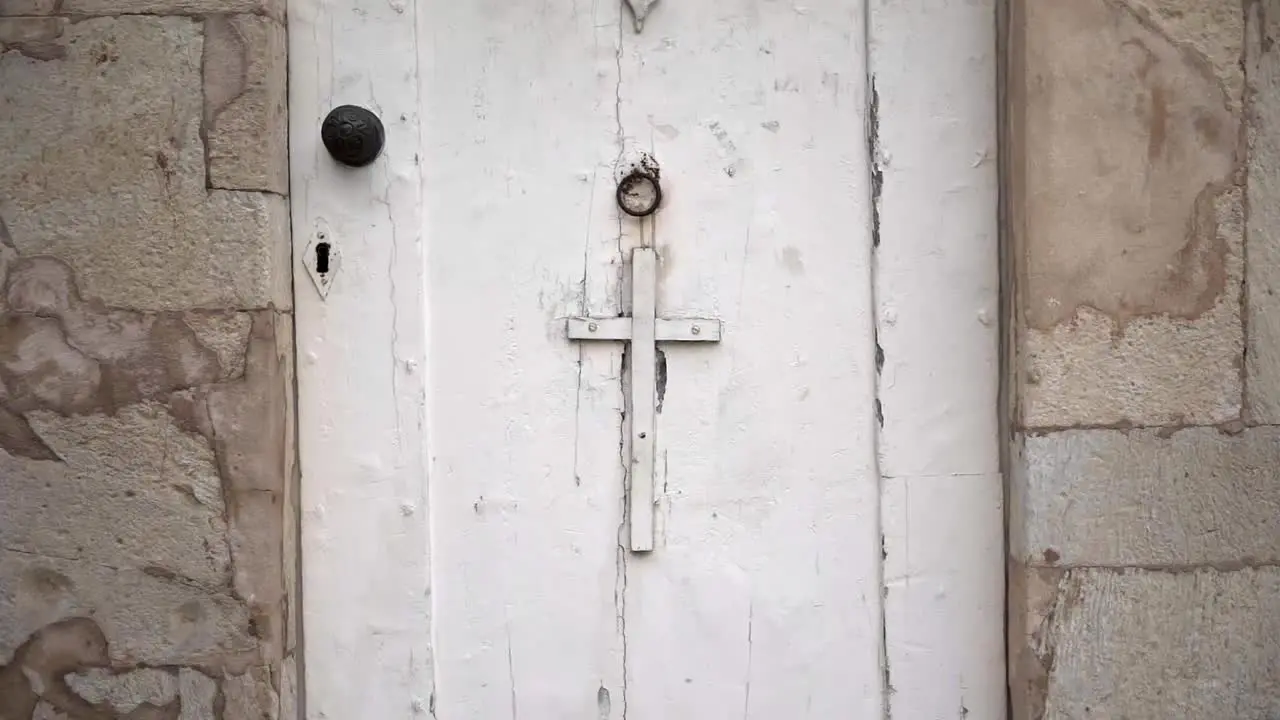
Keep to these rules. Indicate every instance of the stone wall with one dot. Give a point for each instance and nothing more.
(147, 523)
(1144, 188)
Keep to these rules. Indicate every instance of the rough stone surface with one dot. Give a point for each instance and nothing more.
(250, 696)
(249, 426)
(1263, 66)
(289, 688)
(1140, 644)
(273, 8)
(149, 618)
(36, 670)
(1132, 255)
(30, 7)
(226, 334)
(1209, 32)
(199, 695)
(291, 549)
(126, 692)
(121, 356)
(145, 694)
(146, 401)
(1147, 498)
(33, 37)
(45, 711)
(1144, 528)
(131, 490)
(245, 95)
(118, 190)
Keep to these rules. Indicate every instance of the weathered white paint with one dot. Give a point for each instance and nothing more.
(490, 222)
(642, 331)
(361, 372)
(933, 66)
(762, 598)
(527, 483)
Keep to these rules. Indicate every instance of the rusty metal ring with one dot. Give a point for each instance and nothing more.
(629, 183)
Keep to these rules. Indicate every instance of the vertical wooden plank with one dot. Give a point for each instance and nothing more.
(762, 596)
(365, 556)
(937, 303)
(526, 426)
(644, 286)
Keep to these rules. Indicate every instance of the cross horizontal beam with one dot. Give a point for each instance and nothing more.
(666, 329)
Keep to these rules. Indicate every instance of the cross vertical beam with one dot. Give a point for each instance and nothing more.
(644, 392)
(644, 330)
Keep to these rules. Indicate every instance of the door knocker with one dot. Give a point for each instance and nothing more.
(639, 193)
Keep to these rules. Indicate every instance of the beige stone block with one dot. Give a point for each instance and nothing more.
(227, 335)
(118, 190)
(1148, 498)
(30, 7)
(59, 673)
(36, 670)
(255, 547)
(143, 694)
(249, 423)
(250, 696)
(289, 689)
(245, 90)
(33, 37)
(144, 618)
(1155, 372)
(1263, 279)
(273, 8)
(199, 695)
(131, 491)
(1132, 251)
(1142, 645)
(250, 420)
(291, 477)
(125, 692)
(1210, 31)
(59, 352)
(45, 711)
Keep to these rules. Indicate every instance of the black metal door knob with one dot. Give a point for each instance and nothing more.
(352, 135)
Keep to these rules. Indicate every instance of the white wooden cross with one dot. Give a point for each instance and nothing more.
(644, 330)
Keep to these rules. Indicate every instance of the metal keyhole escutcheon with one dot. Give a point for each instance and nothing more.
(639, 193)
(353, 135)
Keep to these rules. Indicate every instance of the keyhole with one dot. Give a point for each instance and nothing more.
(322, 258)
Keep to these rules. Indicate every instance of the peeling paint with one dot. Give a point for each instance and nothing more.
(661, 377)
(877, 160)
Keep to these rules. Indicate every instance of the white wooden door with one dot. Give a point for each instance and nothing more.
(530, 489)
